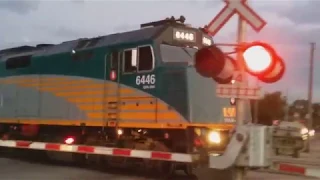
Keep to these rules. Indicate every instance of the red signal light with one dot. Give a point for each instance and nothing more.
(275, 74)
(261, 60)
(211, 62)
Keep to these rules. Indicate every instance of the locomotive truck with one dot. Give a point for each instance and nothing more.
(134, 93)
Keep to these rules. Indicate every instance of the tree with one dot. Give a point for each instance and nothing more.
(271, 107)
(300, 107)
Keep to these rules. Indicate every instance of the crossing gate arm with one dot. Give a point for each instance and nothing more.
(99, 150)
(296, 169)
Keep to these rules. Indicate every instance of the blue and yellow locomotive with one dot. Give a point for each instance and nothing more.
(115, 88)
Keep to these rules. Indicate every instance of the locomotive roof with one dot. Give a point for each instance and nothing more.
(139, 35)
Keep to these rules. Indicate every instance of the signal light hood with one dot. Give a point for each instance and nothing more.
(211, 62)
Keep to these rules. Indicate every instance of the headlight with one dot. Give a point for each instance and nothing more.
(206, 41)
(214, 137)
(184, 35)
(304, 131)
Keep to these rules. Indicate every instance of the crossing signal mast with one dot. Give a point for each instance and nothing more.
(256, 58)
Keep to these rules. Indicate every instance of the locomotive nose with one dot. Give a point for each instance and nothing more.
(211, 62)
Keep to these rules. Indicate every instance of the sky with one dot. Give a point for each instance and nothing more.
(292, 25)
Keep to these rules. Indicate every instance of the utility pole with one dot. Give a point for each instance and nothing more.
(286, 115)
(310, 92)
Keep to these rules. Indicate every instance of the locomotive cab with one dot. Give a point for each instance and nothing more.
(189, 93)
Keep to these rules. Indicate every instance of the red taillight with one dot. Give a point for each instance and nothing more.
(69, 140)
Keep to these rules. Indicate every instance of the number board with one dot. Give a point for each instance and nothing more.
(146, 81)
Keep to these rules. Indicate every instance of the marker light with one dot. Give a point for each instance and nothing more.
(257, 58)
(184, 35)
(69, 140)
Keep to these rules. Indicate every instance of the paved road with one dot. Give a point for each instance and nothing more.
(269, 176)
(21, 170)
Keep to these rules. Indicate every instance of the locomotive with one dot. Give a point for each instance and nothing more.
(133, 90)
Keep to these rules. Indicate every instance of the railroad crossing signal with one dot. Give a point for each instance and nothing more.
(242, 9)
(259, 59)
(262, 61)
(210, 62)
(233, 91)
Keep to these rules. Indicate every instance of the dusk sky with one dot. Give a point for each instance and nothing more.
(292, 25)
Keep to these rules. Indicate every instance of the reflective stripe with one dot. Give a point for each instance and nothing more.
(298, 169)
(167, 156)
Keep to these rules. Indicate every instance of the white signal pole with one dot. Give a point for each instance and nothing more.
(239, 173)
(241, 102)
(256, 105)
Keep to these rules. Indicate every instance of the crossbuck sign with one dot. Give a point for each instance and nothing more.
(242, 9)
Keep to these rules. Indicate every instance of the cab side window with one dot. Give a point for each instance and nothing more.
(18, 62)
(130, 61)
(145, 62)
(138, 59)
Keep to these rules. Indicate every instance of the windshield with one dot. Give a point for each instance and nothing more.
(177, 54)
